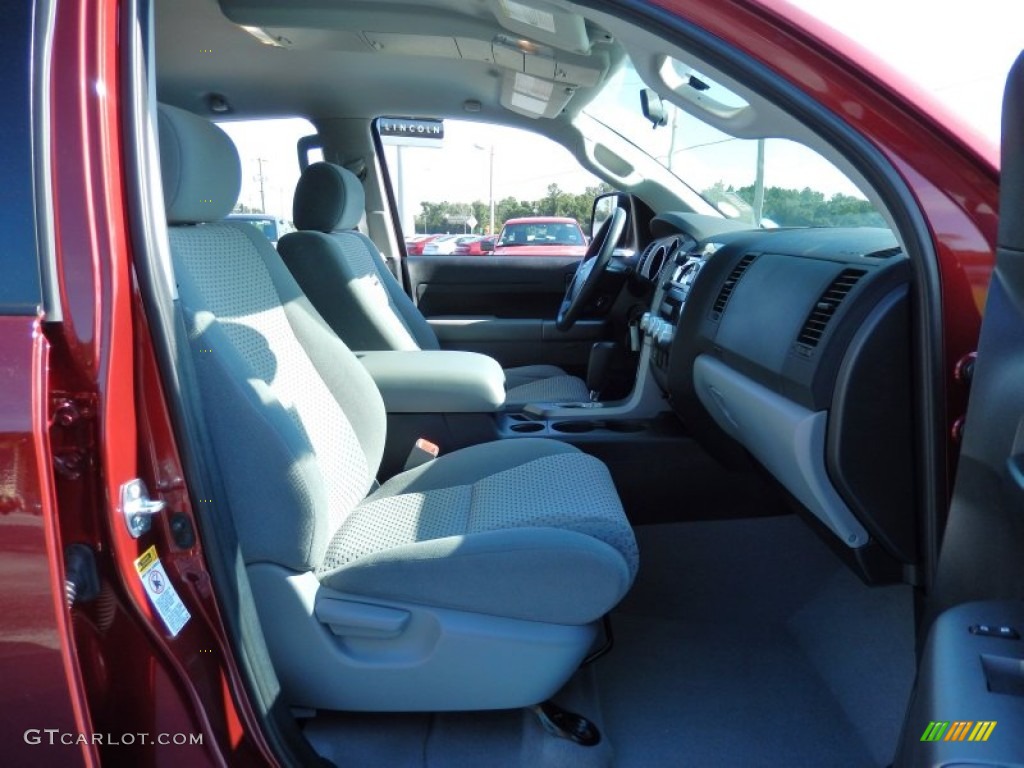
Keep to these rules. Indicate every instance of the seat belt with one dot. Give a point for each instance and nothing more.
(423, 451)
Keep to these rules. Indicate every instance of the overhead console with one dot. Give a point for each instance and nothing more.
(795, 344)
(544, 54)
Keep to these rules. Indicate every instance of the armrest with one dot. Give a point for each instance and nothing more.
(430, 381)
(968, 703)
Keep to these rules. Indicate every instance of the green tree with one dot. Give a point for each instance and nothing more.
(434, 217)
(510, 208)
(802, 207)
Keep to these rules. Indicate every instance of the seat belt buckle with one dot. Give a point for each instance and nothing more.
(422, 451)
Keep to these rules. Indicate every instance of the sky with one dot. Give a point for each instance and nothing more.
(959, 52)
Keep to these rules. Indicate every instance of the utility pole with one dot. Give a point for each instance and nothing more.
(759, 185)
(259, 178)
(490, 179)
(672, 139)
(491, 189)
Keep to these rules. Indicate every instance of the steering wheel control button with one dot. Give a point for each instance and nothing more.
(994, 630)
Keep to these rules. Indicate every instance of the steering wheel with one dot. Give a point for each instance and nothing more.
(588, 273)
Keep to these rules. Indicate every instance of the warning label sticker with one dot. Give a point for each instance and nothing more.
(161, 592)
(528, 15)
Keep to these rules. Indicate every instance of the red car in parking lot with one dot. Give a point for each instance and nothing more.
(541, 236)
(818, 444)
(415, 245)
(474, 245)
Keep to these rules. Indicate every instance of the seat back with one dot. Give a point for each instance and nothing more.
(341, 270)
(296, 422)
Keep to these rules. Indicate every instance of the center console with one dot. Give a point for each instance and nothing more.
(436, 381)
(450, 398)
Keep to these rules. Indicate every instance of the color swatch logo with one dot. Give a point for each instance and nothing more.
(959, 730)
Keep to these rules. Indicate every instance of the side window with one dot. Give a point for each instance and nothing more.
(20, 290)
(465, 188)
(798, 188)
(270, 171)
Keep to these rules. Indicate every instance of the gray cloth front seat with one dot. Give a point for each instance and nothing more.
(343, 275)
(472, 582)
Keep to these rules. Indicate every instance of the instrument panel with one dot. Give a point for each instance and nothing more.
(794, 344)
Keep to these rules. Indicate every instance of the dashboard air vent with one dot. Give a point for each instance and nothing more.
(826, 306)
(654, 266)
(641, 264)
(885, 253)
(730, 285)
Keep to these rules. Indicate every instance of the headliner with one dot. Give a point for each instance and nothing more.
(331, 68)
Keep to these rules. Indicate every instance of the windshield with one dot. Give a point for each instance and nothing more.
(766, 182)
(545, 233)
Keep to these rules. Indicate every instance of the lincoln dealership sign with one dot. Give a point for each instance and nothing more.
(401, 129)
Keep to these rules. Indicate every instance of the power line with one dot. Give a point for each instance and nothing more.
(710, 143)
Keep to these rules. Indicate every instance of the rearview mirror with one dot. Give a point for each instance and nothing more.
(487, 246)
(653, 107)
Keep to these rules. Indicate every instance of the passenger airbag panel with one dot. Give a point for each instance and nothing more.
(788, 439)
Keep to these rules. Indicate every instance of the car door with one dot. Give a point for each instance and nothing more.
(968, 705)
(503, 306)
(461, 177)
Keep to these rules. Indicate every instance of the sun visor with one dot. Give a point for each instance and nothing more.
(543, 23)
(534, 96)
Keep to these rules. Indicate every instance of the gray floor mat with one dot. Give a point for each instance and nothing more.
(743, 643)
(715, 696)
(746, 643)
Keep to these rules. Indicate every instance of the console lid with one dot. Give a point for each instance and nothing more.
(436, 381)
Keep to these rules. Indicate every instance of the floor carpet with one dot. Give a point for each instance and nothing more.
(742, 643)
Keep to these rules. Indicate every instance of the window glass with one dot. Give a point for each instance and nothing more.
(458, 177)
(270, 168)
(796, 186)
(20, 291)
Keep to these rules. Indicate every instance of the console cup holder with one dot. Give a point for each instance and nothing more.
(527, 427)
(625, 425)
(574, 427)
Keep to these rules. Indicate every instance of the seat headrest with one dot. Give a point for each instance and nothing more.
(328, 198)
(199, 165)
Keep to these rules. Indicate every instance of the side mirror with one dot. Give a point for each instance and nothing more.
(487, 246)
(604, 207)
(653, 107)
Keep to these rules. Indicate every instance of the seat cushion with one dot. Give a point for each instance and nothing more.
(543, 384)
(529, 529)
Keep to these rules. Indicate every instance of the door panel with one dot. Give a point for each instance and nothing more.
(969, 701)
(513, 341)
(490, 285)
(503, 307)
(972, 669)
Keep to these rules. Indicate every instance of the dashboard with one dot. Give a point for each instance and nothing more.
(793, 346)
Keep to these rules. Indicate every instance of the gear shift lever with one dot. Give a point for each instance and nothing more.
(601, 355)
